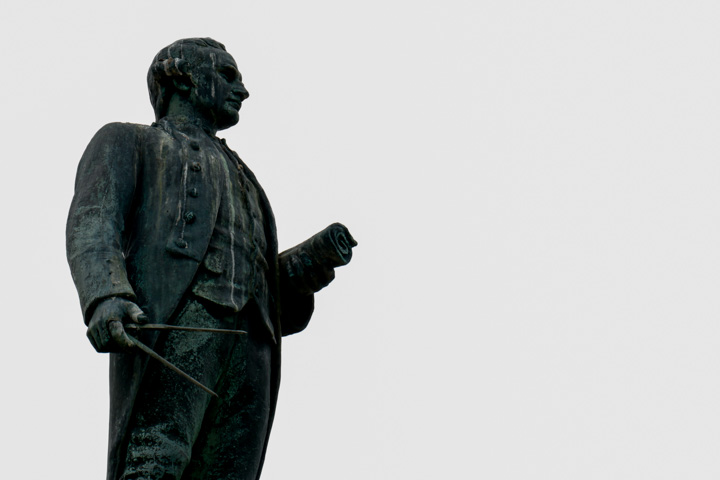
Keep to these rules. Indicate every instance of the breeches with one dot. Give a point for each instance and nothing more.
(179, 432)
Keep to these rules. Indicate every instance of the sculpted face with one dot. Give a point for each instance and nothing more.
(218, 92)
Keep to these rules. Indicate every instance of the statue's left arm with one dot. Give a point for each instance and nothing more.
(295, 308)
(306, 269)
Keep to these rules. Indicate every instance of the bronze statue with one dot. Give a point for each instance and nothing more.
(172, 246)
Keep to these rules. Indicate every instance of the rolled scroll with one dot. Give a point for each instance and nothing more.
(309, 265)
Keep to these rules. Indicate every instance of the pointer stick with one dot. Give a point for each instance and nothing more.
(172, 367)
(160, 326)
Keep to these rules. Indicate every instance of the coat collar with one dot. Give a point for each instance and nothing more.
(184, 126)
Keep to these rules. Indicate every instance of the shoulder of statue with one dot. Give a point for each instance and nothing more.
(124, 132)
(125, 128)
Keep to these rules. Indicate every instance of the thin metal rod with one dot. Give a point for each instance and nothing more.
(160, 326)
(172, 367)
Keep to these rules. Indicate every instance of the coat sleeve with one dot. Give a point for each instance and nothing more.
(296, 308)
(104, 187)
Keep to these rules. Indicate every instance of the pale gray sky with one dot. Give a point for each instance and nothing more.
(534, 187)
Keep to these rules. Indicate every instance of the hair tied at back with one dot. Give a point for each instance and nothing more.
(174, 66)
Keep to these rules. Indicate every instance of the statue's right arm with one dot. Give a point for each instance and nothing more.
(104, 188)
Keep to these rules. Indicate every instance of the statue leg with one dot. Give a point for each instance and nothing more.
(231, 443)
(169, 411)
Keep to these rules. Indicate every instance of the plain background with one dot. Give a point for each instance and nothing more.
(534, 187)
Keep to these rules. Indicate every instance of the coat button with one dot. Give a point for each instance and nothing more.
(181, 243)
(194, 145)
(193, 192)
(189, 217)
(196, 167)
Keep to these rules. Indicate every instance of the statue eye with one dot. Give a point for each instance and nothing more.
(229, 73)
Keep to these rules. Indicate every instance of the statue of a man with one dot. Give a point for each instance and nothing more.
(169, 226)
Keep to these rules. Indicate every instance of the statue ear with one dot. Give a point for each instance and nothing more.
(182, 84)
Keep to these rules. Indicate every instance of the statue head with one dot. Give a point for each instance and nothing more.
(200, 76)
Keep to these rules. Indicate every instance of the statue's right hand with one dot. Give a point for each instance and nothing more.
(105, 330)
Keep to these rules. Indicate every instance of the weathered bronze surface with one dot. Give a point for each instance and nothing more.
(169, 227)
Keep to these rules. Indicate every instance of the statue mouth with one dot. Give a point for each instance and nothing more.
(234, 104)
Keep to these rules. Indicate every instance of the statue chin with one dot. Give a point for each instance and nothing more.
(229, 119)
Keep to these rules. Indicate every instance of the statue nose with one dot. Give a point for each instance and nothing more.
(241, 92)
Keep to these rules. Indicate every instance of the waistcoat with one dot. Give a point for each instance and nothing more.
(234, 269)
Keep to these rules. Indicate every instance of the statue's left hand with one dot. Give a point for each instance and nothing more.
(319, 278)
(309, 276)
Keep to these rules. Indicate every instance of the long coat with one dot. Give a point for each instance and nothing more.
(145, 205)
